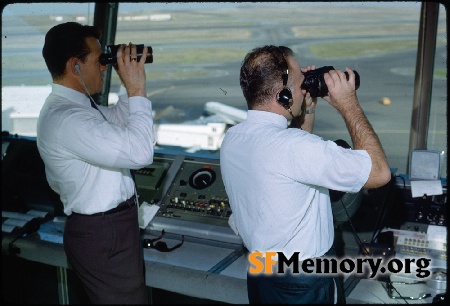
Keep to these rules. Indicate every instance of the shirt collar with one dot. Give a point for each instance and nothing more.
(268, 117)
(70, 94)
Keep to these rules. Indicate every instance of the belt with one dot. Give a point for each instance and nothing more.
(127, 204)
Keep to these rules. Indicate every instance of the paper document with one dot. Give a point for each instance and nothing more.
(420, 188)
(146, 213)
(437, 233)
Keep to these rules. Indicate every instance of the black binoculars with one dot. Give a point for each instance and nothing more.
(314, 82)
(110, 56)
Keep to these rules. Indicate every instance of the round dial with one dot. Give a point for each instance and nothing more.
(202, 178)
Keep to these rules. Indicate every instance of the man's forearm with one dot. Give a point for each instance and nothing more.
(364, 138)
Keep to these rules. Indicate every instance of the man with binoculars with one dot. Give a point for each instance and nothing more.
(88, 151)
(277, 178)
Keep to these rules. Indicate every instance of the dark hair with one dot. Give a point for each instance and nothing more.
(261, 73)
(64, 41)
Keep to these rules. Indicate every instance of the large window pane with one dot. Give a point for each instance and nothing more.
(198, 49)
(26, 81)
(437, 133)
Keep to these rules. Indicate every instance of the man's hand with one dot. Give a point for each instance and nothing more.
(341, 92)
(131, 71)
(308, 101)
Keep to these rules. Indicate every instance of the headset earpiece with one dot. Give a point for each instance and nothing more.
(77, 68)
(284, 96)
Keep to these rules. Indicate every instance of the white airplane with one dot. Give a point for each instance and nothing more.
(21, 106)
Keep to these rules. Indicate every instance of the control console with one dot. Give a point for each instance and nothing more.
(185, 188)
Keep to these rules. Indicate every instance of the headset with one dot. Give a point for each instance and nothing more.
(77, 68)
(284, 96)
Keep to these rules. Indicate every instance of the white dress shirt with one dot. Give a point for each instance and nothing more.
(277, 181)
(87, 159)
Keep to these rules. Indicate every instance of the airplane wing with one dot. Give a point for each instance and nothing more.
(228, 114)
(204, 133)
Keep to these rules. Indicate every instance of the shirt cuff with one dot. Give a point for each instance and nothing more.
(138, 103)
